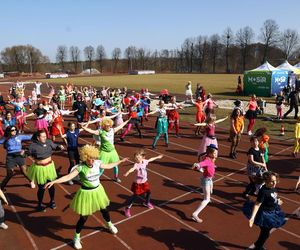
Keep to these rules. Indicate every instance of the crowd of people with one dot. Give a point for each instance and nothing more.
(105, 112)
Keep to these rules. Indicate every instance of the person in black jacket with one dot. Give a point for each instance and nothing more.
(80, 108)
(293, 100)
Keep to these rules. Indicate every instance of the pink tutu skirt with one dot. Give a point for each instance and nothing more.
(41, 124)
(206, 141)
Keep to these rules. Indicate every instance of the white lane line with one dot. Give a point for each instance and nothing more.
(23, 226)
(173, 217)
(98, 220)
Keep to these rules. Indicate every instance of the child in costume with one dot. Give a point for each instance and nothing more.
(209, 136)
(236, 131)
(71, 140)
(200, 116)
(207, 167)
(255, 167)
(140, 185)
(266, 212)
(91, 197)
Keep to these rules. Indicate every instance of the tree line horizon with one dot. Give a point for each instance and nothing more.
(228, 52)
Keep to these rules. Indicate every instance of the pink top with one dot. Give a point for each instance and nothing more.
(141, 176)
(210, 103)
(210, 130)
(208, 167)
(252, 105)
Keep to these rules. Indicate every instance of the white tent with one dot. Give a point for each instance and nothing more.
(297, 65)
(91, 71)
(265, 67)
(289, 67)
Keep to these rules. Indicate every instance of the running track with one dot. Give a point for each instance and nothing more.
(175, 194)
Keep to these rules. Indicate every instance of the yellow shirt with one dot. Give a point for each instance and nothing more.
(297, 130)
(239, 123)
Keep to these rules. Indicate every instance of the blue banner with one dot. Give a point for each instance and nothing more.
(279, 80)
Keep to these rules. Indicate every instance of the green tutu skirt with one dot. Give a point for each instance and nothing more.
(109, 157)
(42, 174)
(87, 202)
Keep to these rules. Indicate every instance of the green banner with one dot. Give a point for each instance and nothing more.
(258, 83)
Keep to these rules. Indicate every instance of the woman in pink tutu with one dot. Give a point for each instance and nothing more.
(209, 135)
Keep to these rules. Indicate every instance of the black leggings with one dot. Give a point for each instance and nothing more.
(134, 197)
(73, 158)
(41, 191)
(263, 236)
(250, 187)
(10, 173)
(83, 219)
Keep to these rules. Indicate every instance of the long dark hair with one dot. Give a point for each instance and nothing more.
(7, 133)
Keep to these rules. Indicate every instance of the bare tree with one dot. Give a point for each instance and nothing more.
(129, 54)
(289, 39)
(100, 56)
(23, 58)
(244, 37)
(227, 40)
(61, 55)
(75, 56)
(116, 54)
(269, 34)
(201, 51)
(89, 53)
(214, 50)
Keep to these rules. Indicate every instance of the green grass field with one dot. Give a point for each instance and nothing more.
(221, 85)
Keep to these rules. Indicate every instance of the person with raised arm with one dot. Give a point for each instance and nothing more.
(91, 197)
(108, 153)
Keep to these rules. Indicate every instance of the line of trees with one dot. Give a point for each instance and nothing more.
(227, 52)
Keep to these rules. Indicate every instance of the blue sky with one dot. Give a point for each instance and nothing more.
(155, 24)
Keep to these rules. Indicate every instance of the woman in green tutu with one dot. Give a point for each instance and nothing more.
(108, 153)
(43, 169)
(91, 197)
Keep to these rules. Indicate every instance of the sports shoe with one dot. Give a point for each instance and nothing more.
(77, 243)
(41, 209)
(3, 226)
(149, 205)
(178, 136)
(118, 180)
(70, 183)
(111, 227)
(249, 133)
(121, 139)
(196, 218)
(52, 205)
(153, 147)
(127, 212)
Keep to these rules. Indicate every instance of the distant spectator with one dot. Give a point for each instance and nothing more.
(293, 101)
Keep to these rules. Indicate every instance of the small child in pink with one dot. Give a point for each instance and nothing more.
(140, 185)
(207, 167)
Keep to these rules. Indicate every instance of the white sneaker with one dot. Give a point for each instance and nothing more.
(77, 243)
(70, 182)
(3, 226)
(249, 133)
(112, 228)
